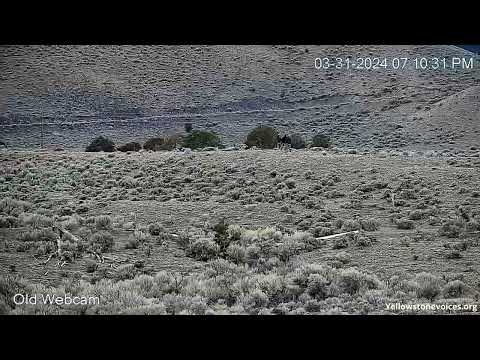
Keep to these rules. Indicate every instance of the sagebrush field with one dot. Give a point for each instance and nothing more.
(239, 231)
(237, 180)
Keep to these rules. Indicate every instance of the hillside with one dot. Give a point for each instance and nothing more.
(134, 92)
(450, 123)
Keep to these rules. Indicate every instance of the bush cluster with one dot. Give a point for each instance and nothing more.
(131, 146)
(198, 139)
(161, 143)
(256, 274)
(101, 241)
(101, 143)
(321, 140)
(297, 141)
(452, 228)
(262, 137)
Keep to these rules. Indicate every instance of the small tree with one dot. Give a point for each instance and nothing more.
(201, 139)
(321, 140)
(101, 143)
(188, 127)
(131, 146)
(161, 143)
(297, 141)
(221, 235)
(263, 137)
(154, 144)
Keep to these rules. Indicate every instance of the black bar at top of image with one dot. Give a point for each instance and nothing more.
(316, 25)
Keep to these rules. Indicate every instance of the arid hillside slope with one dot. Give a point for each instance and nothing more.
(228, 89)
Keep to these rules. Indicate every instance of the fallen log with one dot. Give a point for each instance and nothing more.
(49, 258)
(99, 257)
(66, 232)
(337, 235)
(58, 253)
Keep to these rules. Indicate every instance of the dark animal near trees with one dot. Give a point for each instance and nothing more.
(284, 139)
(284, 142)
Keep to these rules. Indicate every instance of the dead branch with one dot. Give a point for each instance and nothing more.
(99, 257)
(49, 258)
(337, 235)
(66, 232)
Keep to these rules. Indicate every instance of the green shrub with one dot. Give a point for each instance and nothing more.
(360, 239)
(353, 281)
(132, 243)
(452, 228)
(162, 143)
(125, 272)
(90, 266)
(416, 215)
(263, 137)
(201, 139)
(321, 140)
(101, 144)
(237, 253)
(321, 231)
(254, 301)
(36, 220)
(203, 249)
(222, 237)
(351, 225)
(369, 224)
(428, 286)
(317, 286)
(141, 236)
(131, 146)
(405, 224)
(44, 234)
(288, 248)
(453, 254)
(154, 144)
(473, 225)
(13, 207)
(8, 221)
(101, 241)
(9, 286)
(454, 289)
(155, 229)
(297, 141)
(103, 222)
(340, 242)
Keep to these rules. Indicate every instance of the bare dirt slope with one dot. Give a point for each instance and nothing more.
(452, 122)
(228, 89)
